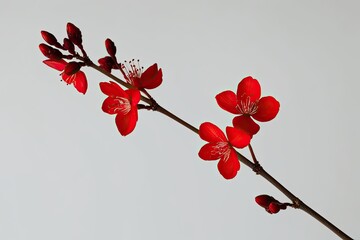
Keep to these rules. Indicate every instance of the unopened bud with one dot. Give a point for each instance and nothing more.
(106, 63)
(49, 38)
(50, 52)
(273, 208)
(69, 46)
(264, 200)
(110, 47)
(74, 34)
(72, 68)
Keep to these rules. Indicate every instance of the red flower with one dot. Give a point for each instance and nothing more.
(219, 147)
(78, 79)
(123, 104)
(247, 103)
(134, 75)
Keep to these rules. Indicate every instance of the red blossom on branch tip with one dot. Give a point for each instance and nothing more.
(78, 78)
(123, 103)
(148, 79)
(221, 147)
(248, 104)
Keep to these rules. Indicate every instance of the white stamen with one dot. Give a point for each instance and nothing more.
(223, 149)
(124, 105)
(245, 106)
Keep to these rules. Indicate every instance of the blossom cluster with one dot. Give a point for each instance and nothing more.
(119, 102)
(248, 105)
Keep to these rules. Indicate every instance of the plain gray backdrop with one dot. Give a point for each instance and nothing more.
(66, 173)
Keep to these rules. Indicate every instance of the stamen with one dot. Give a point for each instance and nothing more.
(246, 107)
(132, 70)
(223, 149)
(123, 105)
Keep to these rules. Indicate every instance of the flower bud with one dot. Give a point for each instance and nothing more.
(49, 38)
(264, 200)
(50, 52)
(72, 68)
(106, 63)
(274, 207)
(69, 46)
(74, 34)
(110, 47)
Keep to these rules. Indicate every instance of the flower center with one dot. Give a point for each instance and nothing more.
(122, 105)
(246, 107)
(223, 149)
(133, 70)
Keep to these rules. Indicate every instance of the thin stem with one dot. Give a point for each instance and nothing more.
(253, 154)
(297, 203)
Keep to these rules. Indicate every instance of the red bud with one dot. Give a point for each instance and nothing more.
(74, 34)
(49, 38)
(110, 47)
(264, 200)
(50, 52)
(274, 208)
(72, 68)
(106, 63)
(68, 45)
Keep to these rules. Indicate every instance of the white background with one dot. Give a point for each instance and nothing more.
(66, 173)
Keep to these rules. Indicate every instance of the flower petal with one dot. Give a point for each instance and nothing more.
(80, 82)
(151, 78)
(227, 100)
(110, 105)
(229, 168)
(56, 64)
(211, 133)
(134, 96)
(208, 152)
(248, 87)
(238, 137)
(112, 89)
(247, 124)
(268, 108)
(126, 123)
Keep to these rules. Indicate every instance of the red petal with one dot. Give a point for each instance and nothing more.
(112, 89)
(150, 72)
(151, 78)
(247, 124)
(56, 64)
(80, 82)
(249, 87)
(229, 168)
(237, 137)
(211, 133)
(69, 79)
(134, 96)
(118, 105)
(208, 152)
(268, 108)
(227, 100)
(110, 105)
(126, 123)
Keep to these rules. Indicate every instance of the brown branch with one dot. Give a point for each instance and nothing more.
(256, 167)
